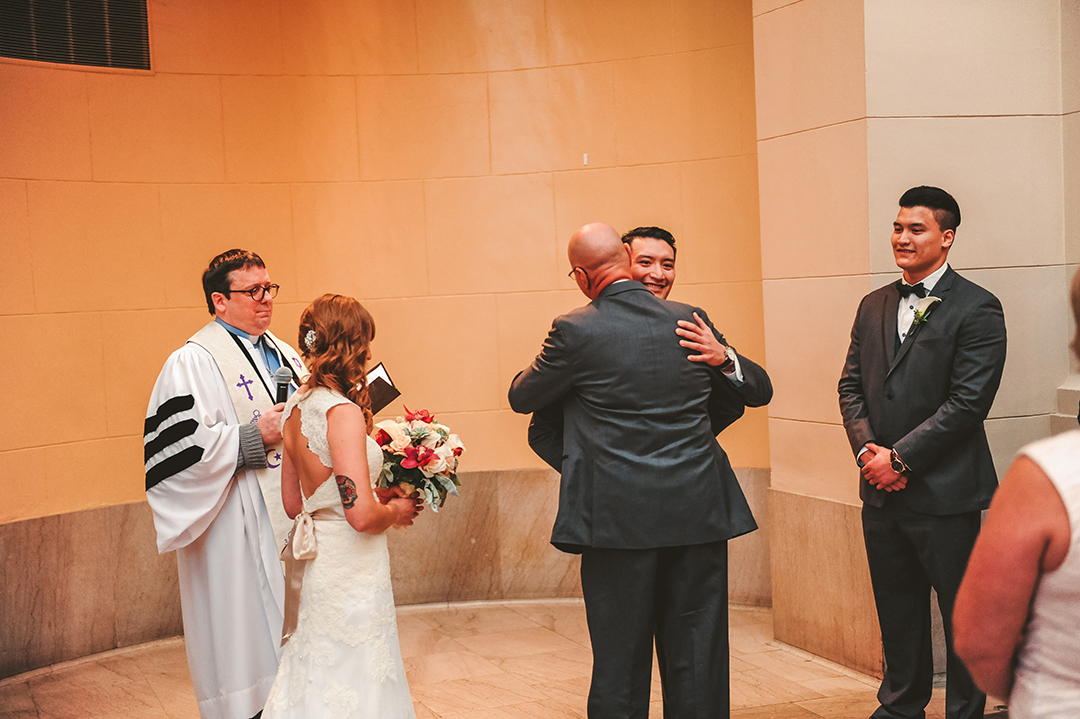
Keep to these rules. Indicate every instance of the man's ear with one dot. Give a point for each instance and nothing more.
(219, 302)
(947, 238)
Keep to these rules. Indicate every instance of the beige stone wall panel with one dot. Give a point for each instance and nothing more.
(807, 333)
(815, 459)
(59, 394)
(290, 129)
(164, 128)
(481, 35)
(809, 61)
(623, 197)
(1004, 171)
(690, 106)
(556, 118)
(492, 234)
(602, 30)
(207, 37)
(999, 58)
(400, 116)
(719, 221)
(45, 123)
(331, 37)
(718, 23)
(16, 271)
(96, 246)
(813, 189)
(200, 221)
(362, 239)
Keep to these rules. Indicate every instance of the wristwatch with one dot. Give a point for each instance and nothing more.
(728, 364)
(898, 465)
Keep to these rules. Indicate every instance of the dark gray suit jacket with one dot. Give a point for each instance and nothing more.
(641, 467)
(929, 399)
(727, 403)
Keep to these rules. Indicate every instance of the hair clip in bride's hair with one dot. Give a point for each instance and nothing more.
(310, 339)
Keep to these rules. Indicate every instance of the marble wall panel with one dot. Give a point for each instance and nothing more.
(822, 600)
(530, 567)
(90, 581)
(82, 583)
(451, 555)
(749, 571)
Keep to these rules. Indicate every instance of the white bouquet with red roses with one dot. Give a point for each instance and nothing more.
(419, 454)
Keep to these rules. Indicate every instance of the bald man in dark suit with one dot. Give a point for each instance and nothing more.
(647, 496)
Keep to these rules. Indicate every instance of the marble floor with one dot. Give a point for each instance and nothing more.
(509, 660)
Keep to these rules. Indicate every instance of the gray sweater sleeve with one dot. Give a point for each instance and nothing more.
(252, 454)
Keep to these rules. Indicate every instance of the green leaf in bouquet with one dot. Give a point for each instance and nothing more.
(448, 485)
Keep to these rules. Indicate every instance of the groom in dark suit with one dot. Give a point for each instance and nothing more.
(647, 496)
(924, 364)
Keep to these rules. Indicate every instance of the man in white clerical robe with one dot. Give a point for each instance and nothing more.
(213, 456)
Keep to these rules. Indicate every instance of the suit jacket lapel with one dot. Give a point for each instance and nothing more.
(941, 290)
(888, 324)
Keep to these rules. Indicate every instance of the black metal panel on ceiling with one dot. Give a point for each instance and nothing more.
(102, 33)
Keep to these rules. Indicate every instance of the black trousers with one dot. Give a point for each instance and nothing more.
(675, 595)
(909, 553)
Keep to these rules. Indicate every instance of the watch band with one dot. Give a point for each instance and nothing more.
(898, 464)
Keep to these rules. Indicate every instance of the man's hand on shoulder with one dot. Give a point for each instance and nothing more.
(878, 471)
(699, 337)
(270, 425)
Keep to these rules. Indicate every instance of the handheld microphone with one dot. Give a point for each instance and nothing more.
(282, 377)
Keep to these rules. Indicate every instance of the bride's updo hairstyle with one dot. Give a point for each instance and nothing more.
(334, 339)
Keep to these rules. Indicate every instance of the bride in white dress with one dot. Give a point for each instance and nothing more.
(343, 660)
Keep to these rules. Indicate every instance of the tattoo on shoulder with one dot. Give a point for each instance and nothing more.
(347, 489)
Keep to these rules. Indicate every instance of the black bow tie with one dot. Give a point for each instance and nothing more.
(916, 289)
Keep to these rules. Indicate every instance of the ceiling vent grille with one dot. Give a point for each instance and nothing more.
(101, 33)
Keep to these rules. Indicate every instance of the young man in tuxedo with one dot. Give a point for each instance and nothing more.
(924, 364)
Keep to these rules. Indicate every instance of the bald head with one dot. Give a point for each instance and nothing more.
(597, 249)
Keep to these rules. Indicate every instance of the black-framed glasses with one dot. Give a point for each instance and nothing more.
(258, 292)
(573, 276)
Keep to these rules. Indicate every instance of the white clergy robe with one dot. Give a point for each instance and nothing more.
(231, 583)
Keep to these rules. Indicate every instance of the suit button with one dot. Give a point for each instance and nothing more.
(888, 395)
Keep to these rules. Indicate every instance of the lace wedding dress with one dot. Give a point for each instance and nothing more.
(343, 661)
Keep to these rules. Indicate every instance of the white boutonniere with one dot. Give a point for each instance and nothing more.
(923, 309)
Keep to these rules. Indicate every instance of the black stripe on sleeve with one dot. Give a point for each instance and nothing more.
(173, 433)
(173, 465)
(177, 404)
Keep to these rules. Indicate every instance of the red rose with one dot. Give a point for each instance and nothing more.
(382, 438)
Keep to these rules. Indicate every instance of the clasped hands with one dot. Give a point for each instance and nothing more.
(397, 495)
(878, 471)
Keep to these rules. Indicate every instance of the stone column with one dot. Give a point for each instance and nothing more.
(858, 100)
